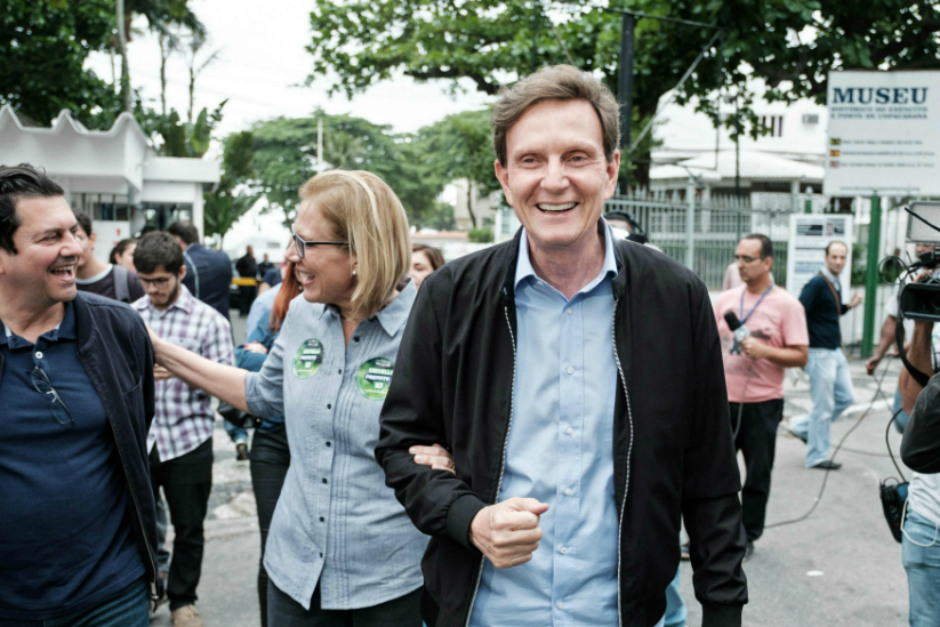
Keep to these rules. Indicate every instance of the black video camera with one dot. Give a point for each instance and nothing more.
(920, 299)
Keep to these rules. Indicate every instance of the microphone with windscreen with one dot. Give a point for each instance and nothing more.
(739, 330)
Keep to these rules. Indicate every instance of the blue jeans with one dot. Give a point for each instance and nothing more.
(900, 422)
(920, 554)
(830, 387)
(128, 607)
(675, 607)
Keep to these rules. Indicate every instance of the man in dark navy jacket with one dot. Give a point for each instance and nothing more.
(76, 379)
(208, 272)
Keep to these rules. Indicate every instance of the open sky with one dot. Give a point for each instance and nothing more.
(261, 68)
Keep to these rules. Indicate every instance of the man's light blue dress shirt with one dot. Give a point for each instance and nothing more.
(560, 451)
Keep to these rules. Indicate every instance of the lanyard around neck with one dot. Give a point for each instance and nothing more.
(743, 318)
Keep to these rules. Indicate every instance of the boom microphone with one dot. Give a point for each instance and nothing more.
(739, 330)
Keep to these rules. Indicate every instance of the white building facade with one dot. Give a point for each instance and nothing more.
(114, 176)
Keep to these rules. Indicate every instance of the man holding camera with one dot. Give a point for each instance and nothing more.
(830, 382)
(888, 335)
(920, 450)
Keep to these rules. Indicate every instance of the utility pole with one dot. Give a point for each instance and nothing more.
(625, 91)
(871, 276)
(625, 84)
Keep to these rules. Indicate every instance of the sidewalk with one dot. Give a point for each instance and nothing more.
(839, 566)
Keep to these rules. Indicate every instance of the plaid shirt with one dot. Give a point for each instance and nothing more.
(184, 418)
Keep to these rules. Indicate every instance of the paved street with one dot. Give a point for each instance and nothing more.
(840, 566)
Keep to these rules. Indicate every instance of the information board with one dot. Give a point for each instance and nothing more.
(810, 233)
(884, 133)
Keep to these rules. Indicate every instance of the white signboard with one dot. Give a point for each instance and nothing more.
(810, 233)
(884, 133)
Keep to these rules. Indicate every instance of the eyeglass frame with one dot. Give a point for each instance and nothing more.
(159, 282)
(301, 244)
(37, 374)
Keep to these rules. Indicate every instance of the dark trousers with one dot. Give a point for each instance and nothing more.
(270, 458)
(128, 607)
(284, 611)
(186, 481)
(757, 441)
(246, 296)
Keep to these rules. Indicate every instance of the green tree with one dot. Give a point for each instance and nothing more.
(43, 47)
(172, 137)
(163, 16)
(286, 156)
(359, 42)
(460, 147)
(233, 196)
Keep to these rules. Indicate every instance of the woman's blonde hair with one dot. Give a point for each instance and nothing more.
(364, 211)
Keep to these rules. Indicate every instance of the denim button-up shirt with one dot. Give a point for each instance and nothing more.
(336, 522)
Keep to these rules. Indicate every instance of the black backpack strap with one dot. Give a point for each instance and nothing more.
(122, 290)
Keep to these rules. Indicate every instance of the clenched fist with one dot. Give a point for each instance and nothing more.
(508, 533)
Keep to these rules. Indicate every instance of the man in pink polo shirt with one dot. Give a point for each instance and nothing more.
(776, 339)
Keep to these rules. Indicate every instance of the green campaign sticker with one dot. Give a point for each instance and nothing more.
(374, 377)
(308, 358)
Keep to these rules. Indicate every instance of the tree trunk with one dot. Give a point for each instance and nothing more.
(164, 55)
(473, 217)
(192, 89)
(126, 94)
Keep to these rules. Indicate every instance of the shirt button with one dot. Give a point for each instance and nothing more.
(569, 311)
(329, 405)
(322, 519)
(569, 431)
(564, 550)
(570, 370)
(38, 354)
(568, 491)
(329, 444)
(324, 479)
(340, 371)
(561, 605)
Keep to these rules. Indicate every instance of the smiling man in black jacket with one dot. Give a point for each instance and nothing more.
(577, 383)
(76, 379)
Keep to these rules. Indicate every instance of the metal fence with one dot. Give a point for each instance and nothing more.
(719, 222)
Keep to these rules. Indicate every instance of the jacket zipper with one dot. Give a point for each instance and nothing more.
(626, 487)
(152, 584)
(502, 466)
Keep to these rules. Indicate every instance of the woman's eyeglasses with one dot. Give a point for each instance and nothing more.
(302, 244)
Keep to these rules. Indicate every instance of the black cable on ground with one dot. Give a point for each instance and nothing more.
(822, 487)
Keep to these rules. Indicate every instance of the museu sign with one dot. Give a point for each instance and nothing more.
(884, 133)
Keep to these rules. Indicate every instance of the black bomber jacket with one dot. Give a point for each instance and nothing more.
(673, 450)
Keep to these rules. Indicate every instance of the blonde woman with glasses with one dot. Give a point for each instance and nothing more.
(340, 549)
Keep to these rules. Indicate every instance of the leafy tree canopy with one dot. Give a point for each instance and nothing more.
(793, 44)
(232, 198)
(459, 146)
(43, 45)
(286, 156)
